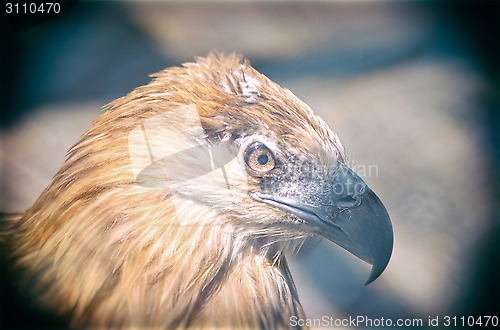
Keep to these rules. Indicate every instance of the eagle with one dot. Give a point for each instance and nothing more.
(177, 207)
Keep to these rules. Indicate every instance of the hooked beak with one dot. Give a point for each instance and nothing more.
(353, 218)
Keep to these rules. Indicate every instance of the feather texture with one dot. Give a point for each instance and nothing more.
(109, 252)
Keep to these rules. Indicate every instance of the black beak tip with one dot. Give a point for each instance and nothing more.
(376, 271)
(383, 254)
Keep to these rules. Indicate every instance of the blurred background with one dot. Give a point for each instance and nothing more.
(410, 87)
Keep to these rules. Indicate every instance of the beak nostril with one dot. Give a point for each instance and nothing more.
(348, 202)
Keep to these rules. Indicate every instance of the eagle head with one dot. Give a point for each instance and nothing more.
(186, 189)
(256, 155)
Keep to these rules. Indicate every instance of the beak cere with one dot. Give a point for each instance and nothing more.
(352, 217)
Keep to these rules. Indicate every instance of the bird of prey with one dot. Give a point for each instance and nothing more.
(176, 207)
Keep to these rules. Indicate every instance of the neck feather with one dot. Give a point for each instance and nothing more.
(126, 272)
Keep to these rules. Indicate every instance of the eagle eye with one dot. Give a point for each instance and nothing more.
(259, 158)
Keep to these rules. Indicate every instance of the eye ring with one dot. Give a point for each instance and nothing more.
(259, 158)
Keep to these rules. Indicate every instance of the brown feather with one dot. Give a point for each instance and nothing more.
(111, 253)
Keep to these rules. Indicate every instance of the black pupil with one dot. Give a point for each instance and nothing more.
(262, 159)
